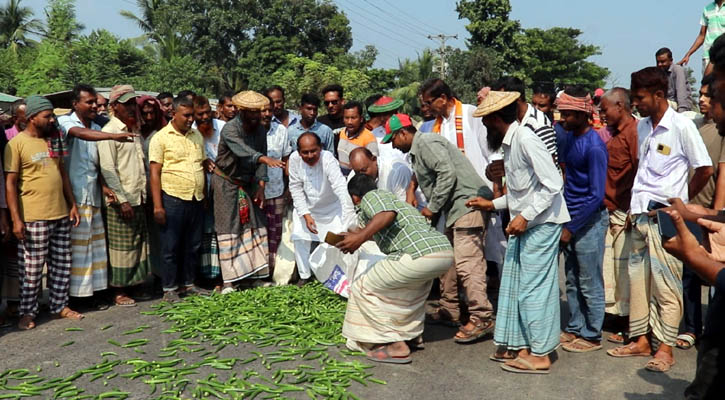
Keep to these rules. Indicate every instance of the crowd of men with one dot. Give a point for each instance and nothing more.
(125, 190)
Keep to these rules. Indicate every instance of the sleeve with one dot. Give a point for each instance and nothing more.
(683, 93)
(286, 146)
(156, 149)
(338, 183)
(65, 124)
(11, 160)
(373, 147)
(435, 157)
(703, 17)
(296, 185)
(502, 203)
(328, 139)
(107, 153)
(693, 146)
(551, 182)
(597, 157)
(398, 180)
(260, 173)
(239, 148)
(721, 158)
(375, 202)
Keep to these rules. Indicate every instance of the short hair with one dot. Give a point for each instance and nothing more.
(509, 113)
(272, 88)
(200, 101)
(576, 91)
(225, 96)
(717, 53)
(80, 88)
(15, 106)
(511, 84)
(308, 133)
(708, 79)
(651, 79)
(544, 88)
(164, 95)
(664, 50)
(435, 87)
(360, 185)
(410, 129)
(354, 104)
(183, 101)
(310, 98)
(618, 95)
(332, 88)
(186, 93)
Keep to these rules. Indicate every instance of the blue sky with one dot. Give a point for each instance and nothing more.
(628, 32)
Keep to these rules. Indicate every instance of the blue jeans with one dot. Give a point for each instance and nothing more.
(584, 278)
(180, 241)
(692, 299)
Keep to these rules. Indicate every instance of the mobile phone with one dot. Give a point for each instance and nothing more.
(655, 205)
(668, 230)
(333, 239)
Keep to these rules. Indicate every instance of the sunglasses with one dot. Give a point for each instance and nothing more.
(332, 102)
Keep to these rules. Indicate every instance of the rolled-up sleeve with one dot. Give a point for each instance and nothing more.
(242, 150)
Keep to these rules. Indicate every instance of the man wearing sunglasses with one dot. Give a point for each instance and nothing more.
(332, 98)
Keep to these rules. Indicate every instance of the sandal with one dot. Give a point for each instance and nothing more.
(685, 341)
(617, 338)
(627, 351)
(507, 356)
(659, 365)
(528, 367)
(381, 355)
(580, 345)
(480, 329)
(416, 344)
(122, 300)
(26, 323)
(441, 316)
(70, 314)
(566, 337)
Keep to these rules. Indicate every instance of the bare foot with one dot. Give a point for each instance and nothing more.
(70, 314)
(539, 362)
(26, 323)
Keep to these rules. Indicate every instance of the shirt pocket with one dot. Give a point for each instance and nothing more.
(661, 164)
(520, 179)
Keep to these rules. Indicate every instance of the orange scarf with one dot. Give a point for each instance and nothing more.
(459, 125)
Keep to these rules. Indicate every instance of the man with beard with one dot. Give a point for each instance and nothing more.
(225, 109)
(123, 169)
(102, 117)
(210, 128)
(582, 239)
(670, 146)
(276, 195)
(238, 186)
(17, 111)
(678, 89)
(42, 207)
(308, 123)
(527, 323)
(447, 179)
(167, 104)
(354, 135)
(281, 114)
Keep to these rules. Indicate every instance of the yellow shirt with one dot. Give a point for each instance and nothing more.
(180, 157)
(40, 185)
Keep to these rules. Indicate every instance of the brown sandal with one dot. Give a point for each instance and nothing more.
(480, 329)
(70, 314)
(659, 365)
(627, 351)
(566, 337)
(26, 323)
(123, 300)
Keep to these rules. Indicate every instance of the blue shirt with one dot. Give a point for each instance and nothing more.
(292, 117)
(427, 126)
(82, 163)
(585, 159)
(296, 130)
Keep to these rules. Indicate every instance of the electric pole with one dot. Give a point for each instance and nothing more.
(441, 38)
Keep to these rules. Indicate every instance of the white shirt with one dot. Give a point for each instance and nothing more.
(667, 152)
(534, 184)
(394, 175)
(211, 144)
(475, 142)
(278, 147)
(385, 149)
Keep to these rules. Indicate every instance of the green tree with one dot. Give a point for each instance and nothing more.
(470, 70)
(48, 72)
(102, 59)
(490, 26)
(16, 22)
(62, 27)
(159, 39)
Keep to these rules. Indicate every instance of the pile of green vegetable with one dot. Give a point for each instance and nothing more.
(295, 329)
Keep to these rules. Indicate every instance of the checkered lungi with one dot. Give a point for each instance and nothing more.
(275, 209)
(128, 247)
(45, 241)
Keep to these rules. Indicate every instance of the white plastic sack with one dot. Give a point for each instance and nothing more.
(337, 270)
(284, 262)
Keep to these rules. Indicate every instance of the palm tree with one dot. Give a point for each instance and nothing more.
(15, 23)
(167, 43)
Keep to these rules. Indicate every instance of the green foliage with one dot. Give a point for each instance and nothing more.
(62, 26)
(490, 26)
(16, 22)
(46, 70)
(470, 70)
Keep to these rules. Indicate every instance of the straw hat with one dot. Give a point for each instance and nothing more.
(250, 100)
(495, 101)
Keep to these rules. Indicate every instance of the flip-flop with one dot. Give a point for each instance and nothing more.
(493, 358)
(688, 341)
(659, 365)
(587, 346)
(27, 325)
(387, 358)
(617, 338)
(615, 353)
(530, 369)
(566, 337)
(67, 313)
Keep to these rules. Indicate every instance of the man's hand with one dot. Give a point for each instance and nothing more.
(125, 137)
(311, 226)
(126, 210)
(5, 230)
(517, 226)
(479, 203)
(109, 195)
(74, 217)
(351, 242)
(271, 162)
(565, 237)
(208, 165)
(259, 197)
(19, 230)
(410, 198)
(716, 236)
(160, 215)
(684, 61)
(426, 212)
(495, 171)
(684, 243)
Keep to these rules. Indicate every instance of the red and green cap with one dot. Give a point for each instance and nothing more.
(385, 104)
(395, 123)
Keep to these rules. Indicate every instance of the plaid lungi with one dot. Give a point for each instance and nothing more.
(275, 209)
(209, 268)
(90, 259)
(45, 241)
(128, 247)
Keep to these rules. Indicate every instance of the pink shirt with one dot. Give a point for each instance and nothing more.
(12, 132)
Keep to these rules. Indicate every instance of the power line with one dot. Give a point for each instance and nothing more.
(374, 18)
(403, 20)
(442, 52)
(387, 35)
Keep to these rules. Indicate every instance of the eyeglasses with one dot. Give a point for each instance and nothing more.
(332, 102)
(429, 102)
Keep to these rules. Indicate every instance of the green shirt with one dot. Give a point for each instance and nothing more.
(713, 18)
(446, 177)
(410, 233)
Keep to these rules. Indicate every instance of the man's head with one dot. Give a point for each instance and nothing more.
(102, 104)
(85, 102)
(183, 114)
(717, 112)
(399, 131)
(353, 117)
(664, 58)
(436, 94)
(576, 108)
(614, 106)
(167, 104)
(308, 108)
(309, 146)
(511, 84)
(359, 186)
(332, 97)
(363, 161)
(649, 91)
(383, 107)
(151, 116)
(17, 111)
(498, 110)
(39, 112)
(425, 110)
(276, 96)
(123, 103)
(267, 114)
(250, 104)
(705, 95)
(717, 87)
(543, 98)
(187, 93)
(202, 116)
(225, 108)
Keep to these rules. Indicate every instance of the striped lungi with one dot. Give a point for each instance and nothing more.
(387, 303)
(528, 298)
(128, 247)
(275, 209)
(616, 264)
(88, 243)
(209, 268)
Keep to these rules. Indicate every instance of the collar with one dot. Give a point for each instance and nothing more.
(117, 124)
(311, 128)
(172, 130)
(508, 138)
(666, 121)
(624, 126)
(76, 119)
(414, 146)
